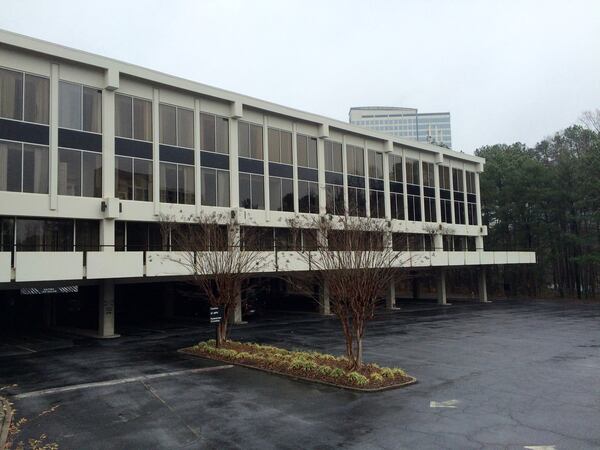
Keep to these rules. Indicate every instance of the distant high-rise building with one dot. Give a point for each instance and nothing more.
(405, 123)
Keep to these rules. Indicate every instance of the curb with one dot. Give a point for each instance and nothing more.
(5, 421)
(411, 381)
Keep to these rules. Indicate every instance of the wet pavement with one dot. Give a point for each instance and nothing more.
(511, 374)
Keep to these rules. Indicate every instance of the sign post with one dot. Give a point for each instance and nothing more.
(216, 315)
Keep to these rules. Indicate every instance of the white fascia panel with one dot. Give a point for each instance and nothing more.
(115, 265)
(4, 267)
(48, 266)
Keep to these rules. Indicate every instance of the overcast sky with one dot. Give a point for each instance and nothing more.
(506, 70)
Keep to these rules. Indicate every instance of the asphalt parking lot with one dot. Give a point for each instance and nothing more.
(511, 374)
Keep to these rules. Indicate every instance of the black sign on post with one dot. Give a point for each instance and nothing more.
(216, 314)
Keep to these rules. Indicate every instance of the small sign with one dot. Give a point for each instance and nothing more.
(216, 314)
(49, 290)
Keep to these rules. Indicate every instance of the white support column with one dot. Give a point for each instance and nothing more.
(483, 297)
(53, 150)
(405, 186)
(267, 187)
(390, 301)
(345, 174)
(107, 226)
(465, 208)
(421, 189)
(450, 169)
(324, 305)
(441, 288)
(156, 150)
(366, 177)
(479, 237)
(439, 159)
(106, 310)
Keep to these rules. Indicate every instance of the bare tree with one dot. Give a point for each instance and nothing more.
(591, 119)
(219, 256)
(354, 258)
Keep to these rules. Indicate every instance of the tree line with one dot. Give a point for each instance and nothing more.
(546, 198)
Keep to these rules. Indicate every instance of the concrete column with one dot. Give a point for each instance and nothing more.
(438, 242)
(389, 146)
(421, 188)
(483, 297)
(156, 150)
(390, 302)
(267, 185)
(366, 176)
(345, 174)
(106, 310)
(404, 191)
(321, 173)
(324, 305)
(197, 168)
(237, 312)
(441, 288)
(234, 182)
(436, 177)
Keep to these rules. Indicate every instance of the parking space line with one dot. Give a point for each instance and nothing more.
(76, 387)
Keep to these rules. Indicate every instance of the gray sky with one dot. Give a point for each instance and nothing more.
(508, 70)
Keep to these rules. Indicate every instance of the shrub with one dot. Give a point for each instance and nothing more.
(376, 377)
(357, 378)
(336, 372)
(244, 355)
(302, 364)
(325, 370)
(386, 372)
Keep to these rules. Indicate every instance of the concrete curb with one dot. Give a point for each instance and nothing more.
(6, 415)
(412, 380)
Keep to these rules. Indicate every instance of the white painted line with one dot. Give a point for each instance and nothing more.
(445, 404)
(540, 447)
(76, 387)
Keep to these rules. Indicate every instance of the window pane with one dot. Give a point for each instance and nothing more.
(92, 174)
(286, 147)
(10, 166)
(245, 200)
(337, 157)
(168, 127)
(185, 128)
(340, 207)
(274, 145)
(303, 196)
(287, 194)
(87, 235)
(69, 105)
(124, 178)
(92, 110)
(350, 160)
(208, 188)
(142, 119)
(314, 198)
(7, 234)
(302, 150)
(222, 188)
(360, 161)
(69, 172)
(207, 132)
(222, 135)
(35, 169)
(37, 99)
(312, 153)
(244, 139)
(168, 183)
(11, 94)
(123, 117)
(185, 179)
(258, 192)
(142, 180)
(275, 193)
(256, 142)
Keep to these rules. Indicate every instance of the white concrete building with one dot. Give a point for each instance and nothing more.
(93, 151)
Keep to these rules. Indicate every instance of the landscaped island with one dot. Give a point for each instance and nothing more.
(311, 366)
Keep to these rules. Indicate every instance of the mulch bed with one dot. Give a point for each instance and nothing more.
(310, 366)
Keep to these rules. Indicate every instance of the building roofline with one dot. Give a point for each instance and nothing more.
(40, 46)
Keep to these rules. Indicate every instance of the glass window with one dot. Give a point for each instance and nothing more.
(37, 99)
(395, 163)
(280, 146)
(11, 154)
(412, 171)
(245, 191)
(142, 119)
(124, 178)
(222, 135)
(207, 132)
(123, 116)
(244, 139)
(256, 142)
(87, 235)
(308, 197)
(168, 124)
(185, 182)
(92, 110)
(209, 187)
(444, 177)
(470, 182)
(35, 169)
(142, 179)
(375, 164)
(258, 194)
(11, 94)
(274, 145)
(457, 180)
(428, 174)
(222, 188)
(286, 147)
(333, 156)
(91, 174)
(302, 150)
(185, 128)
(7, 234)
(44, 235)
(397, 206)
(168, 183)
(69, 172)
(377, 204)
(70, 105)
